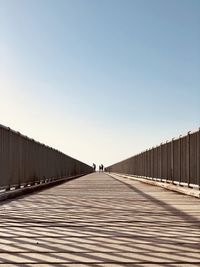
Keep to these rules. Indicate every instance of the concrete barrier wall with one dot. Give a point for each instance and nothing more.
(175, 161)
(24, 161)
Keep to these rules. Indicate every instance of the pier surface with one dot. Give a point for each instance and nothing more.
(99, 220)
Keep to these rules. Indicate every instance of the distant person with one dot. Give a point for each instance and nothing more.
(94, 167)
(102, 167)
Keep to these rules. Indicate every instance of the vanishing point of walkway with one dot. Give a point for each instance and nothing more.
(98, 220)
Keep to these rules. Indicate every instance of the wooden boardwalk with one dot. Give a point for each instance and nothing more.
(98, 220)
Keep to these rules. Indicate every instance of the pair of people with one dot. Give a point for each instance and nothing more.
(101, 167)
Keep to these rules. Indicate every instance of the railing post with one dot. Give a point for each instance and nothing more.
(198, 158)
(172, 160)
(167, 162)
(17, 170)
(161, 175)
(188, 158)
(10, 163)
(152, 162)
(179, 146)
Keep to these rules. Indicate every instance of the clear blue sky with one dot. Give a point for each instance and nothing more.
(100, 80)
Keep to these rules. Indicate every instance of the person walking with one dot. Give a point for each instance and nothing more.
(102, 167)
(94, 167)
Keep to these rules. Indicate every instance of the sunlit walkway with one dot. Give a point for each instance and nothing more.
(98, 220)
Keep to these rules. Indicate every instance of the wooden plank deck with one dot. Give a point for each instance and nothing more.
(98, 220)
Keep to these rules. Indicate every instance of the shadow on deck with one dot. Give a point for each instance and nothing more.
(98, 220)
